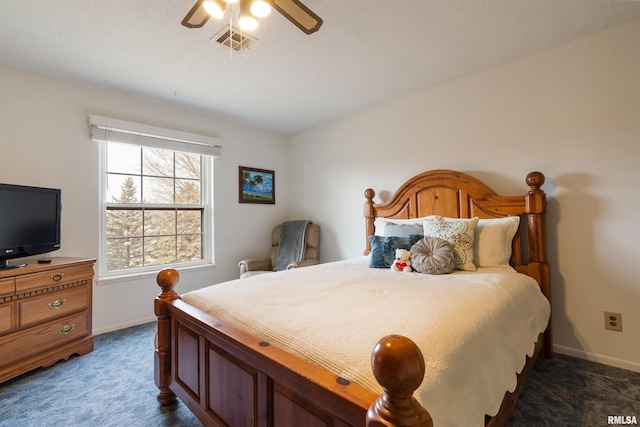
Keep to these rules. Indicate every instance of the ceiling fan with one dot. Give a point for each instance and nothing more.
(296, 12)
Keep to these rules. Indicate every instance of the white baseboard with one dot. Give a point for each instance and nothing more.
(119, 326)
(594, 357)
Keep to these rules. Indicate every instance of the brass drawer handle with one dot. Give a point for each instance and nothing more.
(66, 329)
(57, 277)
(57, 304)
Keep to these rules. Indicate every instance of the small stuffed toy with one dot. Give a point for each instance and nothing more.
(402, 261)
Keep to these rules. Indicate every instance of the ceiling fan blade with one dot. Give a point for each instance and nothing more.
(197, 16)
(301, 16)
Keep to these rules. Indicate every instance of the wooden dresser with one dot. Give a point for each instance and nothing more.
(45, 314)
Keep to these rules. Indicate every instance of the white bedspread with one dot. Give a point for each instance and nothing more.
(474, 328)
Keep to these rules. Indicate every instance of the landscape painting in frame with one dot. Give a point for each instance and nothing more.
(257, 185)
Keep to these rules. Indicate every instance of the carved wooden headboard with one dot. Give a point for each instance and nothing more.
(458, 195)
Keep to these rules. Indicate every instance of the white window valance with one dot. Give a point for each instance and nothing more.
(120, 131)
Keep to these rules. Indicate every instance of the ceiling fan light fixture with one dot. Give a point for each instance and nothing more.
(215, 8)
(260, 8)
(247, 21)
(294, 10)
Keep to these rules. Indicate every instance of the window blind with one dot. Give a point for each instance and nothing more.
(113, 130)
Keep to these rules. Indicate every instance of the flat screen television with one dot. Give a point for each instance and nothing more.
(30, 220)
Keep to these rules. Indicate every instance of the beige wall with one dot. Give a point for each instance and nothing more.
(44, 140)
(572, 112)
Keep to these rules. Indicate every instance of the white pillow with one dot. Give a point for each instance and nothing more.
(492, 247)
(460, 232)
(381, 223)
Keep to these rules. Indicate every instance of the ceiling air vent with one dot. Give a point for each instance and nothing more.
(234, 38)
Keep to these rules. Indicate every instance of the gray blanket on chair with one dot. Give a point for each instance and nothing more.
(292, 244)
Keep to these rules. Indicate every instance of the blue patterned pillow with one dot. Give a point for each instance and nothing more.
(383, 249)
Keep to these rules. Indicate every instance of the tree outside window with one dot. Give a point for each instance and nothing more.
(154, 207)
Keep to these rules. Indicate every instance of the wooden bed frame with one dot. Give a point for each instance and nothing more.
(228, 378)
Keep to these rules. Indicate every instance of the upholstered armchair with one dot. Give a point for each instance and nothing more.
(309, 236)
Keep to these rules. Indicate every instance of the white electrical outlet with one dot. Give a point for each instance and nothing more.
(613, 321)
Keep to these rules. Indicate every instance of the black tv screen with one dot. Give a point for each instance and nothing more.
(30, 220)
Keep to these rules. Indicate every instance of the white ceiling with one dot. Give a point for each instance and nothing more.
(366, 52)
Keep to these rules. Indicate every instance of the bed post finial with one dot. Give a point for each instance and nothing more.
(369, 194)
(398, 366)
(167, 280)
(535, 181)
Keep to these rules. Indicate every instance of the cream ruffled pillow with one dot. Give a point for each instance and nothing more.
(460, 232)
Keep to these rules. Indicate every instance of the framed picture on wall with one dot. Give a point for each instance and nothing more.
(256, 185)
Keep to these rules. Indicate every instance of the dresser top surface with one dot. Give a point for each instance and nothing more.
(34, 267)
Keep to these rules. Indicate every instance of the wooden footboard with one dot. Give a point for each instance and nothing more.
(229, 378)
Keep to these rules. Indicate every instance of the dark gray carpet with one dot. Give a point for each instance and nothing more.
(567, 391)
(114, 386)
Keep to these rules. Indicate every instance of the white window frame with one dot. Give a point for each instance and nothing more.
(104, 130)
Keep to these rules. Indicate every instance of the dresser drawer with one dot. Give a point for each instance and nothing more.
(6, 317)
(30, 341)
(52, 305)
(46, 279)
(7, 287)
(45, 314)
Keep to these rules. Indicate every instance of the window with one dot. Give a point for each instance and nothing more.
(156, 198)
